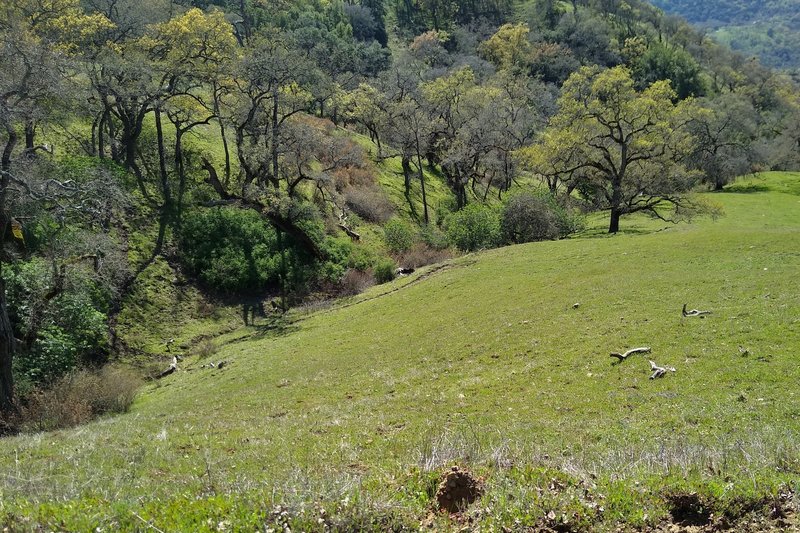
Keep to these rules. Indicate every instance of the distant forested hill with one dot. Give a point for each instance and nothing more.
(769, 29)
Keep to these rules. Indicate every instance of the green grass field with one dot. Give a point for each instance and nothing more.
(483, 362)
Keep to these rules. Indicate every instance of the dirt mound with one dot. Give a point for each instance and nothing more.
(689, 509)
(458, 489)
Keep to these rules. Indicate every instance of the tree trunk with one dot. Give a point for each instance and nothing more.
(406, 164)
(181, 169)
(7, 344)
(7, 349)
(101, 135)
(112, 136)
(30, 136)
(616, 204)
(224, 137)
(422, 183)
(274, 142)
(613, 227)
(166, 207)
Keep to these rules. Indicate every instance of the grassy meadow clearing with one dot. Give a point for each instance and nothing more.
(346, 417)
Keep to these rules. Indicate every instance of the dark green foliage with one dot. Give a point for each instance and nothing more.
(398, 235)
(662, 62)
(417, 16)
(475, 227)
(59, 329)
(231, 250)
(385, 270)
(238, 252)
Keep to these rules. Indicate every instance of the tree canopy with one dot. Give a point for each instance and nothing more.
(624, 148)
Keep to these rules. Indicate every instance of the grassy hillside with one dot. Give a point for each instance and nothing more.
(484, 362)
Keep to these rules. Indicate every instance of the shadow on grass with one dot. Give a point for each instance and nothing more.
(268, 328)
(746, 188)
(629, 230)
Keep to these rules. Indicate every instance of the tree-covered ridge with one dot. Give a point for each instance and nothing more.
(767, 29)
(719, 13)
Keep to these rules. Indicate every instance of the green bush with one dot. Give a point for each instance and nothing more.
(569, 220)
(398, 235)
(475, 227)
(230, 250)
(527, 218)
(59, 332)
(238, 251)
(434, 237)
(384, 270)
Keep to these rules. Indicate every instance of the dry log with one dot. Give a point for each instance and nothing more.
(173, 367)
(660, 371)
(344, 226)
(623, 356)
(350, 233)
(694, 312)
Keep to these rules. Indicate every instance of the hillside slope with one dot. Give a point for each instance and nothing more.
(769, 29)
(485, 362)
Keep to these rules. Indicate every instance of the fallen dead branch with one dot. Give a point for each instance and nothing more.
(694, 312)
(660, 371)
(623, 356)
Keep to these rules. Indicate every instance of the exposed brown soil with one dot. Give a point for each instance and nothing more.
(458, 489)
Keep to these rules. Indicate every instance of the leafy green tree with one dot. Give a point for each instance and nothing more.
(231, 250)
(725, 133)
(509, 47)
(627, 147)
(33, 41)
(661, 62)
(475, 227)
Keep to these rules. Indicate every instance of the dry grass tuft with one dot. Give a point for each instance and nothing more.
(79, 397)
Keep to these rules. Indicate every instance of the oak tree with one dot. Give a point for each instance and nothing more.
(627, 148)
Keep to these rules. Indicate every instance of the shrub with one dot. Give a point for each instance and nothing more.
(62, 332)
(434, 237)
(385, 271)
(398, 235)
(527, 218)
(422, 254)
(355, 282)
(475, 227)
(237, 250)
(370, 203)
(204, 348)
(78, 397)
(229, 249)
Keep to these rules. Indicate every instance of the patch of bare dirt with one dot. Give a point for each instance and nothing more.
(458, 489)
